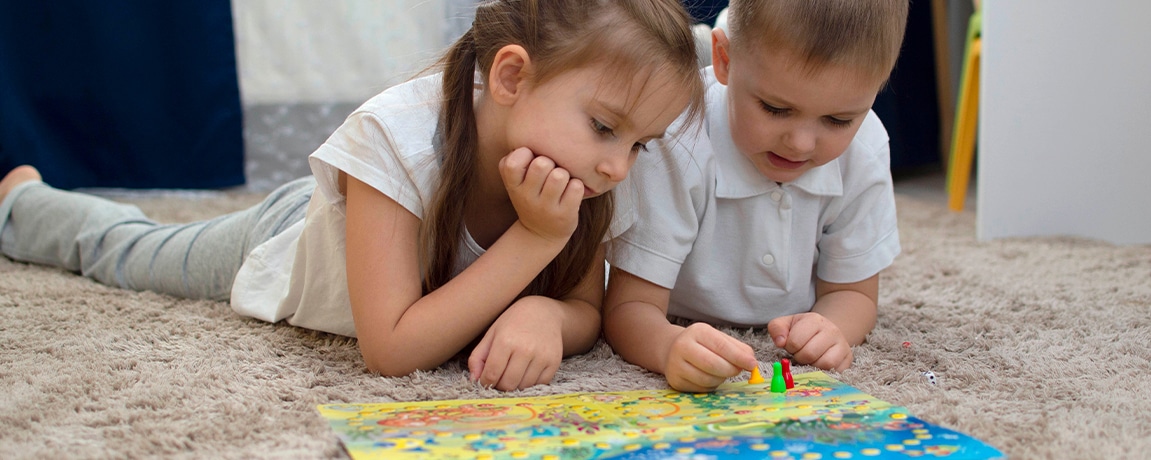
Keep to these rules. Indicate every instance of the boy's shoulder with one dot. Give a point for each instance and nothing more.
(714, 91)
(871, 142)
(867, 160)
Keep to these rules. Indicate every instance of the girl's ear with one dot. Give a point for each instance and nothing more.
(509, 75)
(720, 59)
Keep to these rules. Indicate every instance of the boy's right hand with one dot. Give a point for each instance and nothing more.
(545, 196)
(701, 358)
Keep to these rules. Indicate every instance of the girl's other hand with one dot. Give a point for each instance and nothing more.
(812, 339)
(522, 348)
(545, 196)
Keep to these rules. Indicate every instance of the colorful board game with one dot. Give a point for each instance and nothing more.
(819, 417)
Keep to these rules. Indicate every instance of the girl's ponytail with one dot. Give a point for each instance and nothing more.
(443, 227)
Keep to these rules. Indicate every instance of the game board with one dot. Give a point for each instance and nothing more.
(819, 418)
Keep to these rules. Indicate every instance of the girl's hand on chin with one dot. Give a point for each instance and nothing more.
(545, 196)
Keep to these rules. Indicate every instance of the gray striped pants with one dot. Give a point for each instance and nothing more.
(116, 244)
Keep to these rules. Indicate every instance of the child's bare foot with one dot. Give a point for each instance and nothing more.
(16, 177)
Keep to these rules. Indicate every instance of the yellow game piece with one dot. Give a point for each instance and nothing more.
(755, 377)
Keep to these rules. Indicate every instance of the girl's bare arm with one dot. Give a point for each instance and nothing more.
(399, 330)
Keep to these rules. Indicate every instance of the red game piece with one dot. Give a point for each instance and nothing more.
(787, 379)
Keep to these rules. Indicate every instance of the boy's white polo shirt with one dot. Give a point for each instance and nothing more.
(736, 248)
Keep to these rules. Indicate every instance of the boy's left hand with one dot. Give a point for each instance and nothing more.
(812, 339)
(521, 349)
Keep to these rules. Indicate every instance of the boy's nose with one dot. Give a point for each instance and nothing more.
(800, 140)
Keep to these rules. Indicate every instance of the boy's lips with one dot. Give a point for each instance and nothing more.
(783, 163)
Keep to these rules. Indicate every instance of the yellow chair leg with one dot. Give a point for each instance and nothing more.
(963, 140)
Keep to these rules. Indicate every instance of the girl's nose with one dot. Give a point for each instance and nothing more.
(615, 165)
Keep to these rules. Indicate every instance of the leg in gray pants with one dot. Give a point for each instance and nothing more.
(115, 244)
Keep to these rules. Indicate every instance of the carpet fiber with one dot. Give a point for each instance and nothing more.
(1040, 347)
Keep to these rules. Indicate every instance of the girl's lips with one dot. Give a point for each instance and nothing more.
(783, 163)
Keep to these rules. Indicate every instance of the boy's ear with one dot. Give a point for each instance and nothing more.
(720, 59)
(509, 73)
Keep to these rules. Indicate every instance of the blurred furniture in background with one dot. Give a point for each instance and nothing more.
(1063, 115)
(966, 119)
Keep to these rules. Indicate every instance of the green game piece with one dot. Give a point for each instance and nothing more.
(777, 383)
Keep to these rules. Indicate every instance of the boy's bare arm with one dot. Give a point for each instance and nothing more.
(852, 306)
(635, 320)
(696, 358)
(842, 317)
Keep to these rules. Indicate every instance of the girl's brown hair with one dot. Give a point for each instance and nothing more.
(864, 34)
(634, 37)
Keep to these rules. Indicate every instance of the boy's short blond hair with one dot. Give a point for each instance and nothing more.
(865, 34)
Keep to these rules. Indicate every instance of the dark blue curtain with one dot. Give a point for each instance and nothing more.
(705, 11)
(121, 93)
(909, 105)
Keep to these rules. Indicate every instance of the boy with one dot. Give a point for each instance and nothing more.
(779, 211)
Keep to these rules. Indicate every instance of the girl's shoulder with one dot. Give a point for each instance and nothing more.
(419, 98)
(401, 122)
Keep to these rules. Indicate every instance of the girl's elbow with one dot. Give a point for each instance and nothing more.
(378, 363)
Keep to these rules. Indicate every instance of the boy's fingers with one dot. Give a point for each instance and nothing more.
(686, 377)
(738, 355)
(779, 329)
(837, 358)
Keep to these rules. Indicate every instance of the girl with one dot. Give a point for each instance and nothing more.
(446, 210)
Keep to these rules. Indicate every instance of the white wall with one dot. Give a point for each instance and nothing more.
(305, 64)
(1065, 120)
(332, 50)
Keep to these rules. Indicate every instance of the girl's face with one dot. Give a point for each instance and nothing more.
(788, 121)
(593, 125)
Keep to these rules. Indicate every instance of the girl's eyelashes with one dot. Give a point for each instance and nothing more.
(607, 132)
(602, 129)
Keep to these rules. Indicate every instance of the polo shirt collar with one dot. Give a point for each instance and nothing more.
(736, 176)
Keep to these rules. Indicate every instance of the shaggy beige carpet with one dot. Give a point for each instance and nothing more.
(1040, 347)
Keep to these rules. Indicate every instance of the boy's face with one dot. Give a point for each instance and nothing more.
(785, 119)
